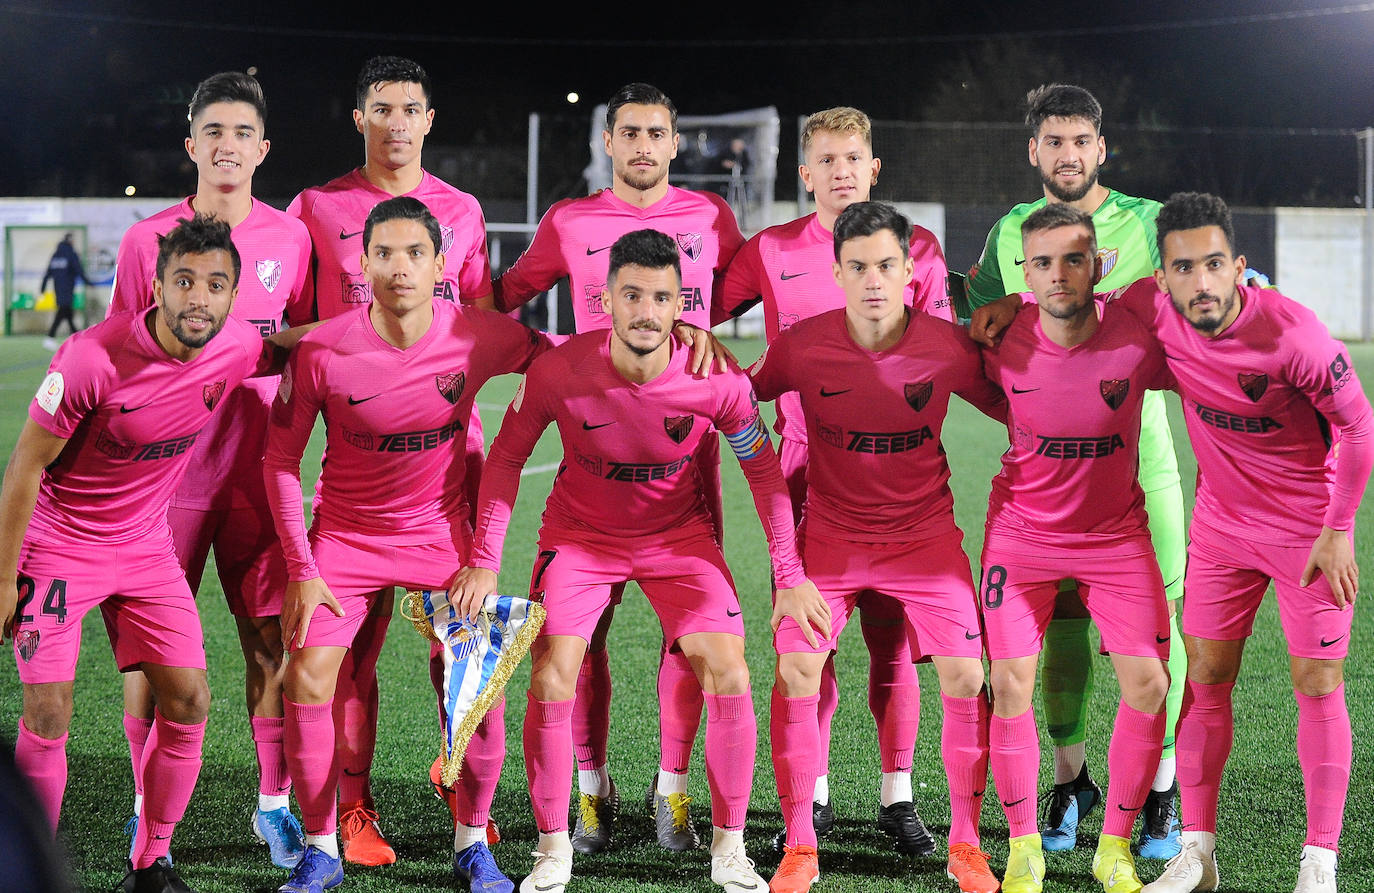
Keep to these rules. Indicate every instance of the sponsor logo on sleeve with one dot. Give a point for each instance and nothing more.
(451, 385)
(1253, 384)
(690, 243)
(50, 392)
(269, 274)
(1341, 373)
(1114, 391)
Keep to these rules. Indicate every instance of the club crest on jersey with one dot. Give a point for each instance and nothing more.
(355, 288)
(678, 426)
(690, 243)
(1107, 257)
(445, 238)
(787, 321)
(26, 643)
(269, 274)
(593, 296)
(451, 385)
(212, 393)
(1253, 384)
(917, 393)
(1114, 391)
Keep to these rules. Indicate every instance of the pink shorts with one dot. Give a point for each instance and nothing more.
(1119, 584)
(356, 566)
(149, 612)
(929, 581)
(248, 556)
(682, 573)
(1226, 581)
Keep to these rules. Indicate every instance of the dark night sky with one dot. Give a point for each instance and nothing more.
(98, 84)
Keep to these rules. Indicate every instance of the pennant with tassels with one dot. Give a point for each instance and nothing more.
(479, 657)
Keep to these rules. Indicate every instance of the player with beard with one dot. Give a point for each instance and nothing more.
(788, 268)
(395, 383)
(1067, 148)
(1067, 504)
(394, 113)
(627, 506)
(83, 523)
(221, 503)
(572, 240)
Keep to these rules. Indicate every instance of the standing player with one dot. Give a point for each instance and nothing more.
(83, 523)
(1067, 504)
(875, 380)
(221, 503)
(1263, 384)
(394, 113)
(572, 240)
(1066, 148)
(395, 382)
(628, 505)
(788, 267)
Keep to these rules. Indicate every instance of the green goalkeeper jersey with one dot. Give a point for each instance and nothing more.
(1126, 244)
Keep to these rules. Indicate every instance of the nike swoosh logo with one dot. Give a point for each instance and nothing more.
(124, 408)
(543, 887)
(1013, 803)
(354, 402)
(971, 636)
(784, 276)
(1125, 808)
(1016, 390)
(729, 613)
(352, 774)
(977, 794)
(587, 427)
(825, 393)
(1326, 644)
(343, 235)
(1161, 639)
(590, 252)
(1169, 356)
(737, 885)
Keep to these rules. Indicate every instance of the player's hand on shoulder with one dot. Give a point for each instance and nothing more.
(990, 321)
(708, 353)
(805, 605)
(469, 588)
(301, 599)
(1333, 555)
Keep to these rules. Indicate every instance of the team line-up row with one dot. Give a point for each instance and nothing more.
(177, 426)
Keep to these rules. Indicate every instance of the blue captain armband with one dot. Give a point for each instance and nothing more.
(750, 440)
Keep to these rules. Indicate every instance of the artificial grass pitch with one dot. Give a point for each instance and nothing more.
(1262, 814)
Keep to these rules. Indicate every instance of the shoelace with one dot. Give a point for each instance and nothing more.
(678, 803)
(793, 863)
(1053, 804)
(358, 818)
(1177, 867)
(547, 863)
(971, 858)
(738, 860)
(587, 809)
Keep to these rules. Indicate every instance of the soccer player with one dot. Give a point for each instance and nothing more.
(874, 381)
(1067, 149)
(788, 267)
(83, 523)
(572, 239)
(1067, 504)
(395, 382)
(627, 506)
(394, 112)
(221, 503)
(1263, 384)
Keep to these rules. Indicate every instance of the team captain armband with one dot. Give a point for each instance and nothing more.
(750, 440)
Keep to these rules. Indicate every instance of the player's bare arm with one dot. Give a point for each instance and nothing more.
(35, 450)
(1334, 557)
(302, 598)
(991, 320)
(469, 588)
(804, 604)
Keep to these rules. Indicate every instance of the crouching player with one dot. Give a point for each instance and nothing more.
(627, 505)
(875, 380)
(1067, 504)
(83, 522)
(395, 382)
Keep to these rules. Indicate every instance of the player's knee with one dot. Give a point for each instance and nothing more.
(726, 677)
(1316, 678)
(1011, 690)
(1147, 692)
(47, 710)
(961, 678)
(798, 678)
(186, 702)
